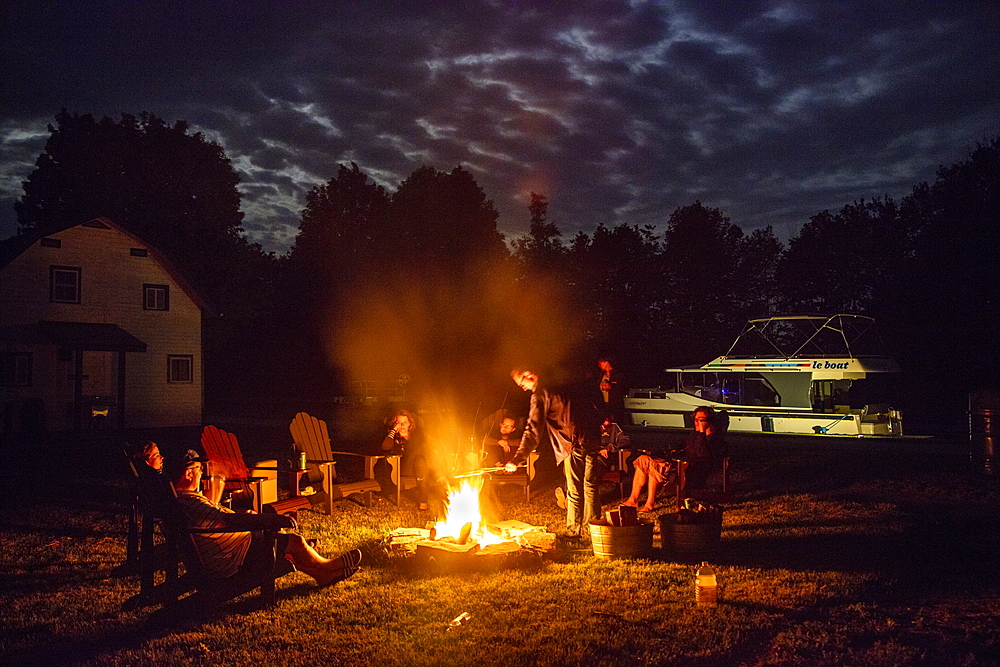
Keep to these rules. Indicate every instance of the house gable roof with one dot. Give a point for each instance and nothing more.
(12, 248)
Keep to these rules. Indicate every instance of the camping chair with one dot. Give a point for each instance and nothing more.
(518, 478)
(261, 483)
(619, 473)
(312, 436)
(143, 551)
(684, 488)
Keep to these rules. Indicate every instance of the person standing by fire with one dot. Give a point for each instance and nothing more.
(403, 438)
(612, 386)
(571, 419)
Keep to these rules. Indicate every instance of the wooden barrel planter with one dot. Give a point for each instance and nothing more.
(690, 539)
(621, 541)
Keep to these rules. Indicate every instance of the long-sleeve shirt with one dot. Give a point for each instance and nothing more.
(615, 439)
(570, 419)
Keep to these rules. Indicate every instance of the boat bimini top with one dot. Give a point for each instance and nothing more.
(830, 347)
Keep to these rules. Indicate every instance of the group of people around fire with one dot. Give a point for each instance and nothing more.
(581, 422)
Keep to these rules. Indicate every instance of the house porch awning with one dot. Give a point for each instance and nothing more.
(91, 337)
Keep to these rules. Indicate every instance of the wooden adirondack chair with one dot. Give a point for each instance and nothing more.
(145, 555)
(223, 450)
(312, 436)
(198, 591)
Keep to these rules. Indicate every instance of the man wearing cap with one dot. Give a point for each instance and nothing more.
(224, 554)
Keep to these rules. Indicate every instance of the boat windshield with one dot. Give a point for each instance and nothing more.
(729, 388)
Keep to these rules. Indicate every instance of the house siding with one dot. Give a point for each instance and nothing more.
(111, 291)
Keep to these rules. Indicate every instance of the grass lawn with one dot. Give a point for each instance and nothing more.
(835, 552)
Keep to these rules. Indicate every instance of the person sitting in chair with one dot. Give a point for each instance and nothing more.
(150, 455)
(225, 554)
(501, 445)
(403, 438)
(704, 444)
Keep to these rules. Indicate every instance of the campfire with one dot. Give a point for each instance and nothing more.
(463, 520)
(464, 536)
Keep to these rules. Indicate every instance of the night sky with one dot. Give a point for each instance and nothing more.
(618, 112)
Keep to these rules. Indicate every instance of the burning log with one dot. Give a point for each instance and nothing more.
(463, 539)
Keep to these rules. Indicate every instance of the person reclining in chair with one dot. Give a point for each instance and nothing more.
(225, 554)
(701, 447)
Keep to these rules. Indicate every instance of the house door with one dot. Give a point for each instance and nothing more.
(100, 389)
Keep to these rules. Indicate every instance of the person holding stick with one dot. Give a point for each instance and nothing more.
(571, 419)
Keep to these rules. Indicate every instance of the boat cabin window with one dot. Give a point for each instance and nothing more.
(831, 395)
(729, 388)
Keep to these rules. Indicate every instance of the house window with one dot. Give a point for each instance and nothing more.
(15, 369)
(64, 284)
(180, 368)
(156, 297)
(137, 252)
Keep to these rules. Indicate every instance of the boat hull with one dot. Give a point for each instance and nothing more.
(668, 410)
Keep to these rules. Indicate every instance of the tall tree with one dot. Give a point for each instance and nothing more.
(176, 189)
(341, 241)
(699, 260)
(542, 249)
(404, 284)
(442, 222)
(616, 285)
(947, 310)
(757, 267)
(341, 235)
(845, 261)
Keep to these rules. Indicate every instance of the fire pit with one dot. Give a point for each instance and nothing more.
(463, 538)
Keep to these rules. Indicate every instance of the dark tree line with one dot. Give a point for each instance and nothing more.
(420, 282)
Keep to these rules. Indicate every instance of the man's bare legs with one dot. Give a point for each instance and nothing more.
(324, 570)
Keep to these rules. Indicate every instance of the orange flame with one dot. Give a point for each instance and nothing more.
(463, 508)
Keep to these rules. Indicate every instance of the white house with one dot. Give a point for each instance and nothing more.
(96, 328)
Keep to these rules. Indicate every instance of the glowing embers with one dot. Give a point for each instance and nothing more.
(463, 538)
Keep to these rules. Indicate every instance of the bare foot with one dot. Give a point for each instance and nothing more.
(630, 503)
(646, 508)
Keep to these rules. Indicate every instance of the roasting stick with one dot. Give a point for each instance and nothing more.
(482, 471)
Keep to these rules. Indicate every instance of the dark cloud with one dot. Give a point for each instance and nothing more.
(617, 111)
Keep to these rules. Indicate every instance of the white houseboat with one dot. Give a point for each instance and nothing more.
(788, 374)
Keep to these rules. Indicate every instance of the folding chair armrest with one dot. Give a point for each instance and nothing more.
(623, 454)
